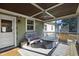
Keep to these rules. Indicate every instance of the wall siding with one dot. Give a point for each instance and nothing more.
(21, 29)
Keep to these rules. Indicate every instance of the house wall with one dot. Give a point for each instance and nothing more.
(21, 28)
(49, 27)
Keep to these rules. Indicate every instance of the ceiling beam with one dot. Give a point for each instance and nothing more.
(54, 6)
(63, 17)
(37, 6)
(68, 16)
(41, 11)
(37, 14)
(50, 15)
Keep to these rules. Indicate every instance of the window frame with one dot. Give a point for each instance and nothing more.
(30, 25)
(51, 27)
(45, 27)
(6, 27)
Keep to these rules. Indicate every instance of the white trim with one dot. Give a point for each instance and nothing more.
(26, 25)
(0, 25)
(37, 6)
(77, 12)
(41, 11)
(37, 14)
(54, 6)
(13, 19)
(33, 25)
(17, 14)
(15, 34)
(50, 14)
(68, 16)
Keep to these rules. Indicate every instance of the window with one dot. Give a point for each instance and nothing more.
(6, 26)
(45, 27)
(30, 25)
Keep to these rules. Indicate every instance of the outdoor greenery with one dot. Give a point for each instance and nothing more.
(72, 22)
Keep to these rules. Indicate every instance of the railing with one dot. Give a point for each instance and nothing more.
(69, 38)
(66, 36)
(62, 36)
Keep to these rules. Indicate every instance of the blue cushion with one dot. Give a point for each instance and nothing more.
(32, 36)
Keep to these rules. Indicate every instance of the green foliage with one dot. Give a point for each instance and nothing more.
(69, 21)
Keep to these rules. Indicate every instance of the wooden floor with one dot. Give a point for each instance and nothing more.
(12, 52)
(77, 46)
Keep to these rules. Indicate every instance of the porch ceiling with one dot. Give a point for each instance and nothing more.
(63, 10)
(46, 5)
(43, 11)
(44, 16)
(23, 8)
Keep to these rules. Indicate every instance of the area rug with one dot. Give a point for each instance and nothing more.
(37, 50)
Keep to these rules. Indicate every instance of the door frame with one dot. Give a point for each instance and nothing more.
(15, 36)
(15, 33)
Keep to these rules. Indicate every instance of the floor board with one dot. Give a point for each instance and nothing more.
(12, 52)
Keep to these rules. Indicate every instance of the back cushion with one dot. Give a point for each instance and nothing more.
(32, 35)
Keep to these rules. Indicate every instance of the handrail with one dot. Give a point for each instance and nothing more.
(66, 35)
(63, 32)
